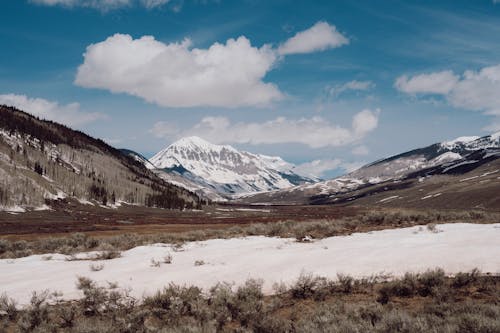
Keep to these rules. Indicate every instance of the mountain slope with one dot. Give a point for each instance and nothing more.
(42, 161)
(454, 157)
(224, 170)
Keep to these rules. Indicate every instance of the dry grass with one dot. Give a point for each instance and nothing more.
(428, 302)
(110, 247)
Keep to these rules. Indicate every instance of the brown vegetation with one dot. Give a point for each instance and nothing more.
(301, 230)
(427, 302)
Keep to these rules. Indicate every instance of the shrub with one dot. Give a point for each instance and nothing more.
(96, 267)
(247, 303)
(346, 283)
(8, 306)
(199, 263)
(305, 286)
(431, 280)
(167, 259)
(94, 297)
(36, 314)
(107, 255)
(464, 279)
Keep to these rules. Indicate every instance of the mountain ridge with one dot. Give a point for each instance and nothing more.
(226, 170)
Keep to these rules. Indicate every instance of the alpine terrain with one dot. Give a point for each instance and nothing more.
(461, 156)
(221, 171)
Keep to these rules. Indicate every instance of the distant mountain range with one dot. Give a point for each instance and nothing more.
(456, 157)
(221, 172)
(42, 161)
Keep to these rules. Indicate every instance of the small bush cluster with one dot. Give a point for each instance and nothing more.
(311, 304)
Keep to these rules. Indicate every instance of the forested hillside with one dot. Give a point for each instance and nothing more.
(42, 161)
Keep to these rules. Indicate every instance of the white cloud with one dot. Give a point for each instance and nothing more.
(479, 91)
(68, 114)
(176, 75)
(474, 90)
(103, 5)
(365, 122)
(432, 83)
(317, 168)
(314, 132)
(350, 86)
(360, 150)
(319, 37)
(154, 3)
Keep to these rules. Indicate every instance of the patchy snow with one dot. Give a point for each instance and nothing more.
(84, 201)
(42, 207)
(446, 157)
(461, 140)
(389, 198)
(458, 247)
(468, 178)
(13, 209)
(431, 196)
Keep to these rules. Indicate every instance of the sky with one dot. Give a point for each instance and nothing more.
(327, 85)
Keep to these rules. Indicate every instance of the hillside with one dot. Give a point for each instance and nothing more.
(42, 161)
(462, 173)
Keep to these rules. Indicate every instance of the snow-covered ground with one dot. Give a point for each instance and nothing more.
(453, 247)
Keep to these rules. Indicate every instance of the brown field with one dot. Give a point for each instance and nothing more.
(72, 217)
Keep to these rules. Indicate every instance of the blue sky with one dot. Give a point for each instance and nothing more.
(336, 82)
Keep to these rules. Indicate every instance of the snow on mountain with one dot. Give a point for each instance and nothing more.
(224, 169)
(449, 154)
(460, 141)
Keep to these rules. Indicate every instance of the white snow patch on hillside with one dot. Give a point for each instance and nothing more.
(458, 247)
(460, 140)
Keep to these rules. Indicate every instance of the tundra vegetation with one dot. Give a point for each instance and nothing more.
(109, 247)
(425, 302)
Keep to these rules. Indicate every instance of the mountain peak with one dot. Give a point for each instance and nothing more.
(226, 169)
(197, 143)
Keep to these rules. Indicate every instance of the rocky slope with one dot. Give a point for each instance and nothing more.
(456, 157)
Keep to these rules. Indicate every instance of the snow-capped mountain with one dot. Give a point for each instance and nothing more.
(225, 170)
(440, 157)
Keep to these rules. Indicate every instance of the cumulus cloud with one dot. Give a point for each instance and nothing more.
(177, 75)
(229, 74)
(68, 114)
(473, 90)
(318, 168)
(319, 37)
(432, 83)
(315, 132)
(103, 5)
(350, 86)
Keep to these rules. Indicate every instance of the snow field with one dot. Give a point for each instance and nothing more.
(453, 247)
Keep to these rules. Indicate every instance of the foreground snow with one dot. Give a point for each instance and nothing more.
(453, 247)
